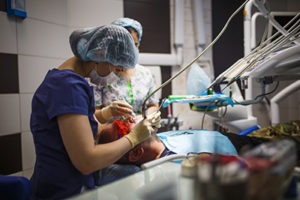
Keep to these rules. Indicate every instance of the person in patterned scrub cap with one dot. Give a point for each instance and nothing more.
(132, 85)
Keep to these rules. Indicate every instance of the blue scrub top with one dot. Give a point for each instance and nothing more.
(61, 92)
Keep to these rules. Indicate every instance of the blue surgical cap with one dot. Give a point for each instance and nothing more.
(127, 22)
(111, 43)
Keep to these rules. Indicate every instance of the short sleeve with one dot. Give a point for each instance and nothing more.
(68, 94)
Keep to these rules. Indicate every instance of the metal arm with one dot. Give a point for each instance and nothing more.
(260, 6)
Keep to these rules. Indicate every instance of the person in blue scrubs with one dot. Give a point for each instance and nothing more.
(63, 115)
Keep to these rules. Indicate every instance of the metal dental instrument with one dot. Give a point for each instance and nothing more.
(261, 52)
(279, 43)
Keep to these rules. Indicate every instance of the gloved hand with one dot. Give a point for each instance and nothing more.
(139, 133)
(154, 119)
(116, 109)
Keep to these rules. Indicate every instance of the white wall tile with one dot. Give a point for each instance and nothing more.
(196, 122)
(8, 34)
(189, 55)
(189, 42)
(93, 12)
(43, 39)
(32, 71)
(10, 114)
(25, 109)
(207, 17)
(172, 12)
(179, 84)
(207, 4)
(191, 119)
(187, 3)
(188, 28)
(48, 10)
(28, 151)
(172, 2)
(188, 15)
(20, 173)
(28, 173)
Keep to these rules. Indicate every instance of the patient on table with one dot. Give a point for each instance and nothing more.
(157, 146)
(166, 143)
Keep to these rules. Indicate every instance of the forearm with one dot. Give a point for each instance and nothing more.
(101, 156)
(104, 155)
(101, 115)
(79, 142)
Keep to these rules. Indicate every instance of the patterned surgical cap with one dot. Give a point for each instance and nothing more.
(127, 22)
(111, 43)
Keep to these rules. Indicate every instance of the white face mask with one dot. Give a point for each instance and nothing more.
(96, 78)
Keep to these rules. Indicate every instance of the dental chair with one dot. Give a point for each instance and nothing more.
(14, 188)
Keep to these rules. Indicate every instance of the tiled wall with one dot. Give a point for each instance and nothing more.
(28, 49)
(191, 119)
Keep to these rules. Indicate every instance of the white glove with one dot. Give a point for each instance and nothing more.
(116, 109)
(154, 119)
(139, 133)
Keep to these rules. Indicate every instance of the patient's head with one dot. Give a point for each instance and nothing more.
(146, 151)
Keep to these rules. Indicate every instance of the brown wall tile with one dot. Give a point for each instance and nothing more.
(9, 78)
(3, 5)
(154, 15)
(229, 47)
(165, 91)
(10, 154)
